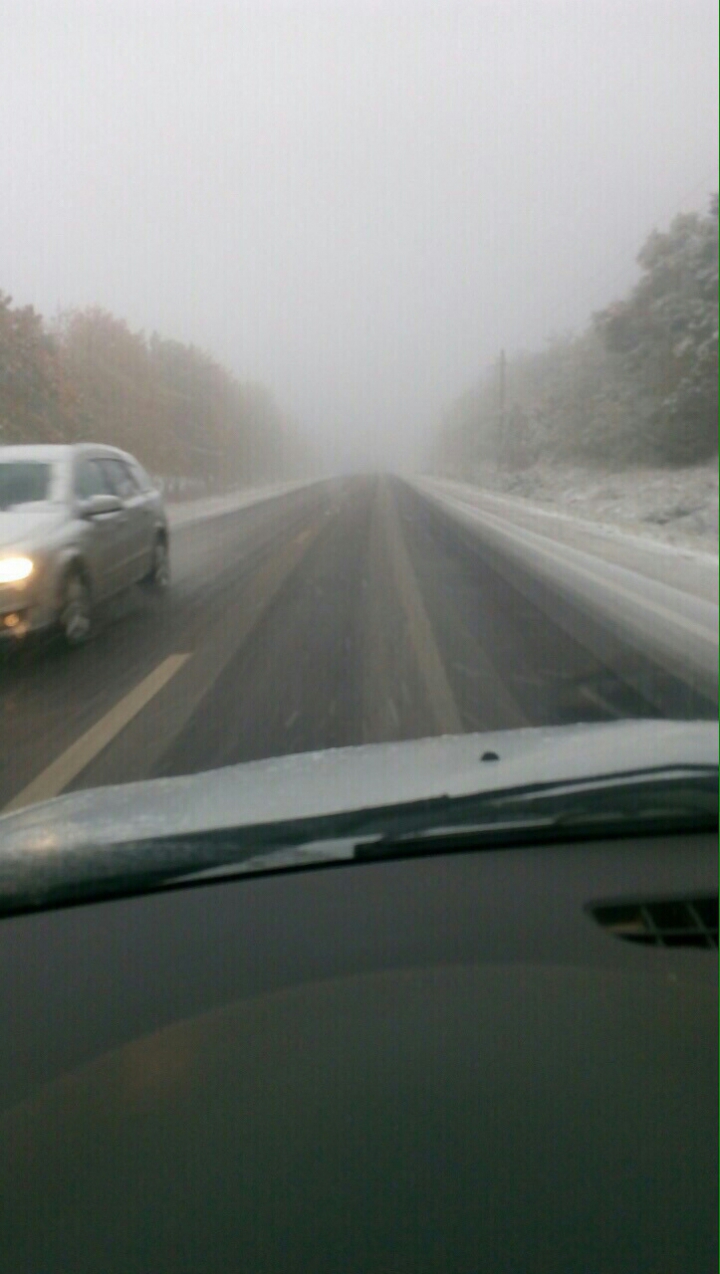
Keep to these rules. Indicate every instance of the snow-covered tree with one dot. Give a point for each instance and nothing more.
(639, 385)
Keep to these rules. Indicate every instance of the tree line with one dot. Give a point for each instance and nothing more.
(638, 386)
(88, 377)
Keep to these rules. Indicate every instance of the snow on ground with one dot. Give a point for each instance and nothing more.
(180, 514)
(672, 506)
(679, 561)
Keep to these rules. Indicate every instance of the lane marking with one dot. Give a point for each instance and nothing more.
(136, 754)
(440, 695)
(70, 763)
(560, 553)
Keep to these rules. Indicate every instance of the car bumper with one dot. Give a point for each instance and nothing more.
(22, 611)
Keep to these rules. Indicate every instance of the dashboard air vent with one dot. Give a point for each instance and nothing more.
(663, 922)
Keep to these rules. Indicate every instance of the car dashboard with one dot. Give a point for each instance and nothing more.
(494, 1059)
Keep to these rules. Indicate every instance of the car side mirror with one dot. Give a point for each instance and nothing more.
(97, 505)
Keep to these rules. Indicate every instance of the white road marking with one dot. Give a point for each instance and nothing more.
(72, 762)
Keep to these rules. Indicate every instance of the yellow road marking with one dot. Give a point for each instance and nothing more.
(133, 757)
(70, 763)
(442, 701)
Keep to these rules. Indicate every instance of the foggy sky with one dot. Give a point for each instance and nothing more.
(358, 204)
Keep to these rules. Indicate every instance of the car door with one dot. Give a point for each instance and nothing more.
(104, 538)
(137, 528)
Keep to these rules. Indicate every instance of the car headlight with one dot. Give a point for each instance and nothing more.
(14, 569)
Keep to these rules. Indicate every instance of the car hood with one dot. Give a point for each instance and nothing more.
(319, 784)
(23, 526)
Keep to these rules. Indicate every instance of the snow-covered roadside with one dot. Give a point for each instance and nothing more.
(671, 506)
(676, 624)
(689, 569)
(214, 506)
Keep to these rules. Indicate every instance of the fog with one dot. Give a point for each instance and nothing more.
(356, 204)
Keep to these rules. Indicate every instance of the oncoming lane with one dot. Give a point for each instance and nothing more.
(50, 698)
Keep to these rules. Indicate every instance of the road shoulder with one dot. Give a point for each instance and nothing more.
(690, 571)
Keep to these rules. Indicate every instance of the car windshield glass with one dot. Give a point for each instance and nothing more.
(375, 349)
(23, 482)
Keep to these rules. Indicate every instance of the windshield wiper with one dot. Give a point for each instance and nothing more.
(643, 802)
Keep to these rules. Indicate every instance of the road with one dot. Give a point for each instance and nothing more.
(345, 612)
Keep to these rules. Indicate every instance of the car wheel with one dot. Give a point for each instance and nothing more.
(75, 616)
(158, 577)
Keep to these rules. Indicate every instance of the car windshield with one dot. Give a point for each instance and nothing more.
(23, 482)
(381, 343)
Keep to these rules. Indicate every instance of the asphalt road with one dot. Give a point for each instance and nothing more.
(346, 612)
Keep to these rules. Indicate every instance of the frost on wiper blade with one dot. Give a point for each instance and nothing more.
(647, 801)
(655, 800)
(667, 799)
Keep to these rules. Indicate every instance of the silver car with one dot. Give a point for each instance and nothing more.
(78, 524)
